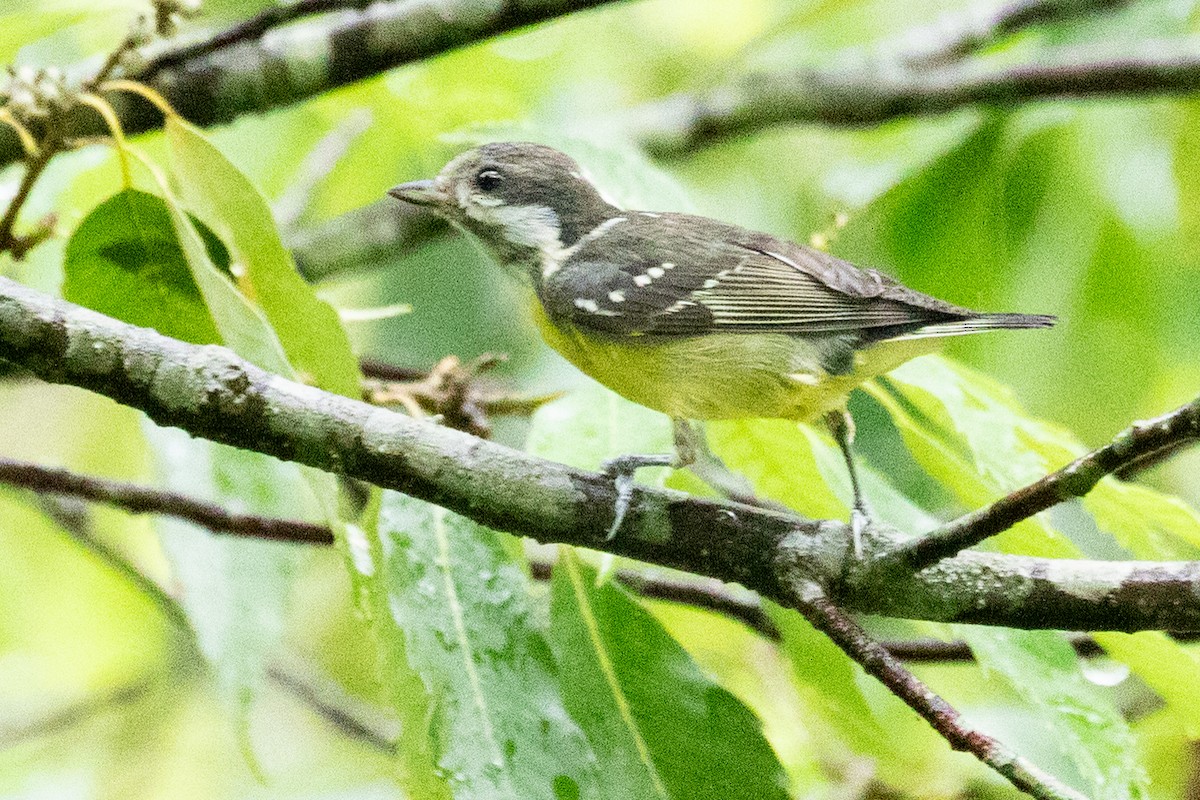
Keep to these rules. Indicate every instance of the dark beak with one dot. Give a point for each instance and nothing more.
(422, 193)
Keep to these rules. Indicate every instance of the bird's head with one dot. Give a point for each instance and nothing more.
(525, 201)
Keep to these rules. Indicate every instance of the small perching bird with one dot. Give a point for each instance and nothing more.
(690, 316)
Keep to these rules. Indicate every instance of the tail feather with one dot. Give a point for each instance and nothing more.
(979, 324)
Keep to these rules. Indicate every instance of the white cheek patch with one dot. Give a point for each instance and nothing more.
(530, 226)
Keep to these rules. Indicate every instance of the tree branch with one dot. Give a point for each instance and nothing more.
(9, 241)
(249, 30)
(887, 90)
(1139, 441)
(211, 393)
(709, 594)
(141, 500)
(381, 233)
(959, 34)
(811, 601)
(244, 71)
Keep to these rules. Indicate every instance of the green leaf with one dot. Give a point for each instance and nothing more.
(458, 611)
(780, 457)
(1044, 670)
(354, 524)
(972, 435)
(592, 424)
(308, 328)
(235, 590)
(660, 727)
(124, 260)
(241, 325)
(142, 243)
(852, 708)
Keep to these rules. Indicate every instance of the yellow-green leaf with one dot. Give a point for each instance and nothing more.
(308, 328)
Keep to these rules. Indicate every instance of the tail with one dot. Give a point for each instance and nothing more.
(979, 324)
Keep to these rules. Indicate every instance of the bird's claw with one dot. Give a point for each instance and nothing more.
(859, 518)
(621, 469)
(623, 482)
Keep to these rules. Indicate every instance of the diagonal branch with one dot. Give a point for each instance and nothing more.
(1140, 441)
(211, 393)
(811, 601)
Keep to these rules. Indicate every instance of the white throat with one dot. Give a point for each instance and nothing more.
(528, 226)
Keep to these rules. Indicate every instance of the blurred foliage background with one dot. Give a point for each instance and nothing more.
(1089, 210)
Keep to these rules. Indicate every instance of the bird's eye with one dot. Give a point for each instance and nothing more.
(488, 180)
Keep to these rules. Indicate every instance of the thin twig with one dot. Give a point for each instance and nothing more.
(450, 390)
(1141, 440)
(51, 144)
(383, 371)
(141, 500)
(328, 699)
(79, 529)
(129, 43)
(33, 170)
(945, 719)
(13, 732)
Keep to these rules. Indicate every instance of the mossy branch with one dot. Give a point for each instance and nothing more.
(212, 393)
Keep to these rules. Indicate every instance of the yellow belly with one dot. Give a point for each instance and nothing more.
(724, 376)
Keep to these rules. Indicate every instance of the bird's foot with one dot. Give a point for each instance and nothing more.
(859, 519)
(621, 469)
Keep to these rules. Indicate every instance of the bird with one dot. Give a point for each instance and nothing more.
(687, 315)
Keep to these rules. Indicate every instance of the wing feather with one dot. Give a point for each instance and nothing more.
(678, 275)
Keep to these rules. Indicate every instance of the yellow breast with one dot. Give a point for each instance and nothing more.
(723, 376)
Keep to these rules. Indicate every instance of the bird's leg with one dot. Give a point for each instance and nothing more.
(622, 468)
(708, 467)
(841, 425)
(691, 451)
